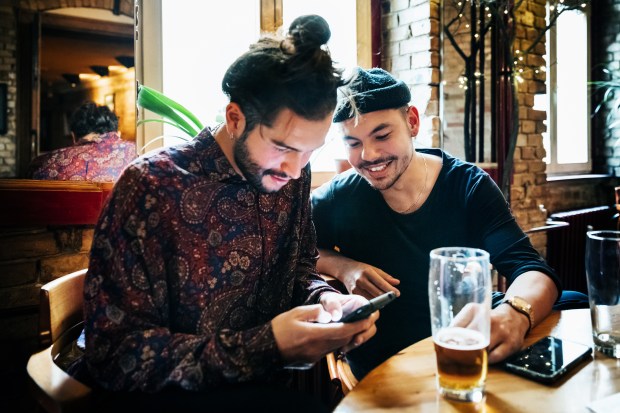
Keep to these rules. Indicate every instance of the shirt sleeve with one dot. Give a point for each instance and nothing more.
(309, 284)
(131, 343)
(510, 249)
(323, 213)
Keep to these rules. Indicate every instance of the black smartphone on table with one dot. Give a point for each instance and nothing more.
(366, 310)
(547, 360)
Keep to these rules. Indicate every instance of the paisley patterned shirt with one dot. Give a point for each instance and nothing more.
(189, 265)
(101, 159)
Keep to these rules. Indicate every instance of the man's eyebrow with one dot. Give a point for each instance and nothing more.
(375, 130)
(280, 143)
(379, 127)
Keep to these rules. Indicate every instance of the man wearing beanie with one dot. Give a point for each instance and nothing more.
(397, 204)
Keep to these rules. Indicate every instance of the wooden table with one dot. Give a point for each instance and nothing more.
(406, 381)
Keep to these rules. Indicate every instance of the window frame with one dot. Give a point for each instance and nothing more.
(553, 167)
(149, 61)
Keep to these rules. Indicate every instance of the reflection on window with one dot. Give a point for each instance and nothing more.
(567, 140)
(198, 47)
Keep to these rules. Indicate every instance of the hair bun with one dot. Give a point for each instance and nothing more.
(309, 32)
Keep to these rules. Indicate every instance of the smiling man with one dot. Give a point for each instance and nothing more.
(202, 287)
(386, 215)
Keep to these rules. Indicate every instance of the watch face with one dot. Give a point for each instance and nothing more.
(520, 304)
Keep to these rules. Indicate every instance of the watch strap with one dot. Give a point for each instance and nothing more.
(520, 309)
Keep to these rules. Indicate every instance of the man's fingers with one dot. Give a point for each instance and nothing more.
(383, 284)
(387, 277)
(313, 313)
(366, 334)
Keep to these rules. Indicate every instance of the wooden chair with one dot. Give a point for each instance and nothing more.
(60, 324)
(339, 370)
(340, 373)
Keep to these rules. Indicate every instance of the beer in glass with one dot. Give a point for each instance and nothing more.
(460, 304)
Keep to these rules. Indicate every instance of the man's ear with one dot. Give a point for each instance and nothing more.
(414, 120)
(235, 120)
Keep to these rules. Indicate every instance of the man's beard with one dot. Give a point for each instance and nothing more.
(251, 171)
(382, 185)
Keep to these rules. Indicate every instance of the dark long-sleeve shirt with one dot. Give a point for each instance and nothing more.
(465, 208)
(189, 265)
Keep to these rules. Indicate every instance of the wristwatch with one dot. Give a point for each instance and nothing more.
(522, 306)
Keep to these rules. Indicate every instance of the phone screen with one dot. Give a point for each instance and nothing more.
(548, 359)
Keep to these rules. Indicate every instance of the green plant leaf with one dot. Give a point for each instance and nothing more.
(177, 114)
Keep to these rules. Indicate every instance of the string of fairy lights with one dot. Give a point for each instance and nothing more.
(460, 24)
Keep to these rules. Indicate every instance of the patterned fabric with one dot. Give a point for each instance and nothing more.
(101, 159)
(189, 265)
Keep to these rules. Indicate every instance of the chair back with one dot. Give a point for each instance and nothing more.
(60, 324)
(60, 306)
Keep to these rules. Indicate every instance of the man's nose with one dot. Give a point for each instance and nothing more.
(293, 163)
(369, 152)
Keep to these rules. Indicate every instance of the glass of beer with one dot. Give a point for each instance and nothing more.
(459, 291)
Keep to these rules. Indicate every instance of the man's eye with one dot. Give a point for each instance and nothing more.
(281, 149)
(352, 144)
(382, 137)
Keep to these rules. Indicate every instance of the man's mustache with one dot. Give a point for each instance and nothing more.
(370, 164)
(279, 174)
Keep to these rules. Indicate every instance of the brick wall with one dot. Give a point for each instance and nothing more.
(410, 51)
(526, 192)
(8, 76)
(29, 258)
(605, 45)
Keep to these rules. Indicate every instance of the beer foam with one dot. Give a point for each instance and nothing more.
(459, 338)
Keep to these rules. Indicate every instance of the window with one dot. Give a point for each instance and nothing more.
(567, 140)
(198, 44)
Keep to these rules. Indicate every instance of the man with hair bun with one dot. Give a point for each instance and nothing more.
(202, 287)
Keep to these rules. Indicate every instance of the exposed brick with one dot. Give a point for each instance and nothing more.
(528, 153)
(19, 297)
(54, 267)
(534, 114)
(27, 246)
(528, 126)
(17, 273)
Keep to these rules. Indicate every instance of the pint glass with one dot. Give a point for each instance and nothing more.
(459, 291)
(603, 275)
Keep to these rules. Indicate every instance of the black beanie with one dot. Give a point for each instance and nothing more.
(373, 89)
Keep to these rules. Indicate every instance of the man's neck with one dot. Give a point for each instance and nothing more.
(226, 144)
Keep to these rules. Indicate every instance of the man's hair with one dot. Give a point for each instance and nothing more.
(89, 118)
(369, 91)
(296, 72)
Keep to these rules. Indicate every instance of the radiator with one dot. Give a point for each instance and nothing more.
(566, 246)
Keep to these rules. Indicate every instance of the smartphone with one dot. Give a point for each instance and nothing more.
(372, 306)
(547, 360)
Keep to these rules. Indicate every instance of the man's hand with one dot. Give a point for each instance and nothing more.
(304, 334)
(369, 281)
(339, 304)
(508, 328)
(357, 277)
